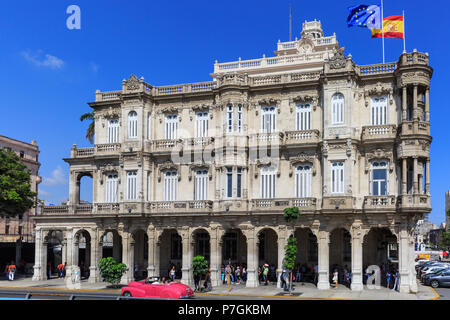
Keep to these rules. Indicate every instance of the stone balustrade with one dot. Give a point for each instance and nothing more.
(84, 209)
(165, 145)
(51, 210)
(415, 127)
(338, 203)
(388, 131)
(107, 148)
(331, 40)
(299, 137)
(307, 204)
(414, 201)
(380, 202)
(106, 207)
(375, 69)
(180, 206)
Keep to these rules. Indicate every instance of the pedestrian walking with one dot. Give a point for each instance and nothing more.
(244, 274)
(265, 273)
(196, 282)
(283, 280)
(388, 279)
(238, 275)
(12, 271)
(60, 270)
(396, 278)
(298, 274)
(7, 271)
(335, 278)
(172, 273)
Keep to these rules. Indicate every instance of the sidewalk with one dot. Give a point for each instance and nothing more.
(302, 291)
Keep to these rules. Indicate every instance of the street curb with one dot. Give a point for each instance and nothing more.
(62, 289)
(437, 297)
(280, 297)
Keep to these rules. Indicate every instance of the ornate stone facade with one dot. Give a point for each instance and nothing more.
(275, 127)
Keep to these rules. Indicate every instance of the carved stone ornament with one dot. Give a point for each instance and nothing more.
(263, 162)
(112, 113)
(302, 158)
(231, 78)
(338, 61)
(379, 154)
(349, 147)
(305, 45)
(168, 165)
(133, 83)
(313, 99)
(194, 167)
(378, 90)
(169, 110)
(325, 149)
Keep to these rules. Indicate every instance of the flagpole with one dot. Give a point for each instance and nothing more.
(382, 26)
(404, 32)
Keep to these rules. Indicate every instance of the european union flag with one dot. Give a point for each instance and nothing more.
(365, 16)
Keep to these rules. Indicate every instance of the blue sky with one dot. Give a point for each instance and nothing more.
(49, 73)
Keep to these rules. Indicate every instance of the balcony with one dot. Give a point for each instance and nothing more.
(200, 206)
(338, 203)
(265, 139)
(83, 209)
(165, 145)
(381, 203)
(415, 128)
(377, 133)
(54, 210)
(415, 202)
(107, 208)
(304, 204)
(296, 138)
(110, 148)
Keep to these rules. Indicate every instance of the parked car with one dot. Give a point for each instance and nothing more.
(426, 266)
(433, 270)
(440, 279)
(151, 288)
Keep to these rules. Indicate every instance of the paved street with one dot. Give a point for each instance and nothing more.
(444, 293)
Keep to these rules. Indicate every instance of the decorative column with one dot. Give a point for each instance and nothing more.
(403, 262)
(404, 102)
(415, 180)
(186, 261)
(64, 250)
(39, 264)
(76, 250)
(216, 256)
(93, 274)
(427, 177)
(70, 250)
(252, 258)
(411, 259)
(404, 176)
(127, 257)
(427, 104)
(324, 257)
(281, 245)
(357, 257)
(415, 104)
(151, 252)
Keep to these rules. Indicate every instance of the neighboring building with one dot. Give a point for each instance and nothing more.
(347, 144)
(17, 234)
(435, 238)
(422, 232)
(447, 208)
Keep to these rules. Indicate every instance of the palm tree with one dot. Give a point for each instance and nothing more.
(91, 129)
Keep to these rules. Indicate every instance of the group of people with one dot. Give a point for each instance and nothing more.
(206, 286)
(237, 272)
(174, 271)
(341, 275)
(304, 273)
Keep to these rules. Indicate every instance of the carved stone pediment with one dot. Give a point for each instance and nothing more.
(111, 113)
(199, 166)
(302, 159)
(378, 90)
(305, 45)
(379, 154)
(338, 60)
(201, 107)
(169, 110)
(133, 83)
(168, 165)
(266, 161)
(269, 102)
(231, 78)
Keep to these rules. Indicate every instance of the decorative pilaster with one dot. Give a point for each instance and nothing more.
(186, 261)
(404, 262)
(427, 177)
(40, 253)
(151, 252)
(404, 102)
(427, 105)
(415, 104)
(252, 258)
(357, 257)
(281, 245)
(95, 248)
(404, 176)
(415, 180)
(127, 257)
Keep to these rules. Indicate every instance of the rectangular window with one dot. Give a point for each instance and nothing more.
(22, 154)
(378, 111)
(132, 125)
(230, 119)
(268, 182)
(239, 127)
(229, 182)
(268, 119)
(337, 106)
(201, 124)
(201, 185)
(239, 183)
(132, 185)
(170, 185)
(303, 119)
(113, 131)
(171, 127)
(337, 177)
(303, 181)
(111, 188)
(379, 178)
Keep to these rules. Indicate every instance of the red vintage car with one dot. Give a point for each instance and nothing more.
(151, 288)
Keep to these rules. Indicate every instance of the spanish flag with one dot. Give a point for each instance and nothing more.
(393, 27)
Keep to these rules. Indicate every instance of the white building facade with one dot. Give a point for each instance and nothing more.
(207, 168)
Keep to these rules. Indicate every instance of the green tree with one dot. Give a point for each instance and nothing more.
(290, 216)
(111, 271)
(445, 243)
(200, 267)
(91, 129)
(16, 196)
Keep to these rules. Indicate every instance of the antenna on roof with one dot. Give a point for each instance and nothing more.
(290, 20)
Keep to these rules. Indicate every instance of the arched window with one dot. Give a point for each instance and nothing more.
(337, 109)
(111, 187)
(113, 131)
(303, 181)
(132, 125)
